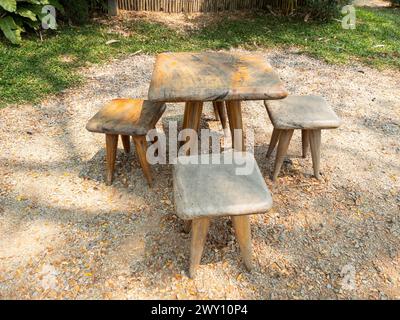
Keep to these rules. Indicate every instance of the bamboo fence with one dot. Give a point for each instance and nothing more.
(203, 5)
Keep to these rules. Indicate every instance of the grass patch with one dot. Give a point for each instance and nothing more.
(36, 69)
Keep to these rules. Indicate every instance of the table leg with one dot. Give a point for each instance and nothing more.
(234, 111)
(219, 109)
(192, 116)
(193, 110)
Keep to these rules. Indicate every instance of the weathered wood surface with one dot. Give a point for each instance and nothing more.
(284, 140)
(201, 189)
(302, 112)
(213, 76)
(111, 154)
(308, 113)
(234, 111)
(274, 140)
(199, 235)
(241, 224)
(132, 117)
(141, 150)
(315, 144)
(220, 113)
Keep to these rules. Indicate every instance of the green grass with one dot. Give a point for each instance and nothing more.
(36, 69)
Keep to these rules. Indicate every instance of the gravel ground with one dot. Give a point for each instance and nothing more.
(64, 234)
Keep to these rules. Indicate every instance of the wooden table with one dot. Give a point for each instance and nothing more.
(214, 76)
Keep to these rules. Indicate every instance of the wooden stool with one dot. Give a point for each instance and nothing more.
(207, 190)
(126, 117)
(308, 113)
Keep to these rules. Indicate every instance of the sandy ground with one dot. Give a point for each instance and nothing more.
(64, 234)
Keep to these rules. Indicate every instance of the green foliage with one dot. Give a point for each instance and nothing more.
(101, 5)
(16, 15)
(395, 3)
(322, 9)
(76, 11)
(35, 69)
(11, 30)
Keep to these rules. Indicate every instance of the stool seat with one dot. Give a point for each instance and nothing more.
(131, 117)
(213, 190)
(126, 118)
(302, 112)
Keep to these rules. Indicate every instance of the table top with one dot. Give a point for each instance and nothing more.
(214, 76)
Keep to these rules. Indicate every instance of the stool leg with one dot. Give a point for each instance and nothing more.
(126, 143)
(199, 236)
(141, 149)
(315, 144)
(216, 113)
(111, 154)
(241, 225)
(305, 141)
(284, 140)
(187, 226)
(273, 142)
(220, 107)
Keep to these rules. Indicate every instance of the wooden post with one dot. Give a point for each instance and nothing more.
(113, 7)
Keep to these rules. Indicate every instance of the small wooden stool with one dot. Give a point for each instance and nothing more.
(126, 117)
(207, 190)
(308, 113)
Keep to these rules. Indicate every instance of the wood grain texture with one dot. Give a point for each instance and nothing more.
(213, 76)
(201, 186)
(111, 154)
(284, 140)
(141, 150)
(199, 235)
(315, 144)
(191, 120)
(215, 107)
(220, 113)
(234, 111)
(241, 224)
(126, 117)
(273, 142)
(126, 142)
(305, 142)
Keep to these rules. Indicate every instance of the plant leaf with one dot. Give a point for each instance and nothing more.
(10, 29)
(25, 12)
(9, 5)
